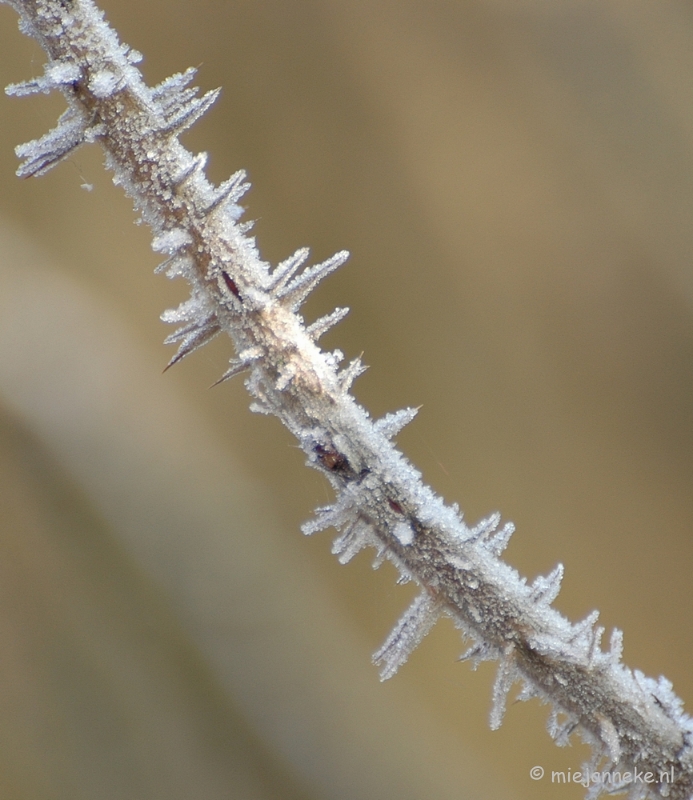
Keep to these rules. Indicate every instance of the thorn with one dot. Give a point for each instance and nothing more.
(477, 653)
(236, 368)
(190, 112)
(173, 84)
(231, 189)
(194, 339)
(168, 263)
(197, 164)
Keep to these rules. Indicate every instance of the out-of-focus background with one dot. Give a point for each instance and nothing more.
(515, 183)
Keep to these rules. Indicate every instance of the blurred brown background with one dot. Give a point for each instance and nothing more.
(515, 183)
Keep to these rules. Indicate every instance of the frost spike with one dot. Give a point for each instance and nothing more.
(323, 324)
(584, 628)
(349, 374)
(594, 650)
(165, 91)
(485, 527)
(560, 731)
(505, 676)
(528, 692)
(616, 646)
(356, 537)
(42, 154)
(478, 652)
(196, 165)
(232, 189)
(172, 241)
(545, 590)
(391, 424)
(407, 634)
(169, 264)
(499, 541)
(186, 330)
(332, 516)
(296, 292)
(609, 737)
(55, 73)
(189, 112)
(193, 337)
(380, 556)
(286, 269)
(236, 368)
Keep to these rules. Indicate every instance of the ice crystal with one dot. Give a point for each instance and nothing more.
(56, 74)
(404, 533)
(416, 622)
(323, 324)
(506, 675)
(294, 293)
(545, 590)
(41, 154)
(391, 424)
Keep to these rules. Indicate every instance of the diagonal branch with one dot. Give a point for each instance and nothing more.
(635, 724)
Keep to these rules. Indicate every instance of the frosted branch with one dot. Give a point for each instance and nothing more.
(633, 722)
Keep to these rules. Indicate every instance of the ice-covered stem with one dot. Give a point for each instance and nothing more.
(635, 724)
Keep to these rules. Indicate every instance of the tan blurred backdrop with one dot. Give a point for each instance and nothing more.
(515, 183)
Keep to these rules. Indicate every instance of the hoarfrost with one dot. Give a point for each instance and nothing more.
(497, 543)
(323, 324)
(561, 730)
(172, 86)
(356, 537)
(41, 154)
(294, 293)
(505, 677)
(545, 590)
(184, 111)
(391, 424)
(609, 737)
(616, 646)
(104, 82)
(416, 622)
(192, 337)
(341, 514)
(286, 269)
(478, 652)
(56, 74)
(349, 374)
(171, 241)
(404, 533)
(236, 367)
(229, 192)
